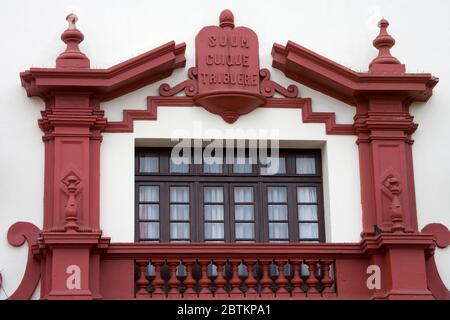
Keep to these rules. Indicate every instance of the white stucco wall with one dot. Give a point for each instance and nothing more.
(118, 30)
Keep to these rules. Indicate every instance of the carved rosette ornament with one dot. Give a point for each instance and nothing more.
(227, 80)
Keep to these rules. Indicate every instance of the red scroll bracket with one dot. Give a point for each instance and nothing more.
(18, 233)
(227, 80)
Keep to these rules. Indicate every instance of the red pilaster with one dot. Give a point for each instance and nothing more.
(71, 241)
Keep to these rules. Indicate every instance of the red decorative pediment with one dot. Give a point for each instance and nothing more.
(227, 79)
(386, 74)
(73, 73)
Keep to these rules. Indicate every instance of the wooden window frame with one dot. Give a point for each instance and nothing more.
(196, 180)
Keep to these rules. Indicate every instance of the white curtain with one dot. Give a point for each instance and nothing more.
(149, 230)
(179, 194)
(182, 167)
(308, 230)
(149, 193)
(214, 212)
(149, 164)
(179, 230)
(149, 211)
(277, 194)
(242, 165)
(214, 231)
(277, 212)
(243, 212)
(306, 194)
(243, 194)
(245, 230)
(274, 166)
(213, 194)
(307, 212)
(278, 231)
(179, 212)
(305, 165)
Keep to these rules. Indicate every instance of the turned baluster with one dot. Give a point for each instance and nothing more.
(173, 280)
(235, 281)
(327, 281)
(312, 281)
(266, 281)
(204, 281)
(158, 281)
(220, 281)
(281, 280)
(142, 282)
(189, 282)
(251, 282)
(297, 280)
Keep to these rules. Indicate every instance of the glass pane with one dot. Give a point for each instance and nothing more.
(277, 194)
(179, 194)
(278, 212)
(179, 212)
(214, 231)
(149, 211)
(214, 212)
(179, 231)
(278, 231)
(307, 212)
(149, 194)
(213, 194)
(306, 194)
(182, 167)
(243, 212)
(308, 230)
(149, 164)
(274, 166)
(305, 165)
(243, 194)
(242, 165)
(149, 230)
(212, 168)
(245, 231)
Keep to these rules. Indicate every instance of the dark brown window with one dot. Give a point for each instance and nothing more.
(238, 202)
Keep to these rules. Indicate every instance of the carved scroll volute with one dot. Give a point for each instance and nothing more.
(392, 184)
(72, 183)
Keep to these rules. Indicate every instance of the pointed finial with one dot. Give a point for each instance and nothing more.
(226, 19)
(72, 19)
(72, 37)
(384, 42)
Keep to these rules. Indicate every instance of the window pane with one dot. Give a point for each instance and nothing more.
(308, 230)
(149, 164)
(214, 212)
(149, 194)
(243, 194)
(277, 212)
(179, 194)
(307, 212)
(274, 166)
(212, 168)
(214, 231)
(149, 230)
(242, 165)
(179, 231)
(306, 194)
(277, 194)
(213, 194)
(149, 211)
(243, 212)
(278, 231)
(245, 231)
(182, 167)
(305, 165)
(179, 212)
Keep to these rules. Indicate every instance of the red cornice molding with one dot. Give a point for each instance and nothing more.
(344, 84)
(305, 104)
(110, 83)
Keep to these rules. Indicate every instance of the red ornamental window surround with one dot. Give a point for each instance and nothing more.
(73, 123)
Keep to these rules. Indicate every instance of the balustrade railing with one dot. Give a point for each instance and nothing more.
(250, 275)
